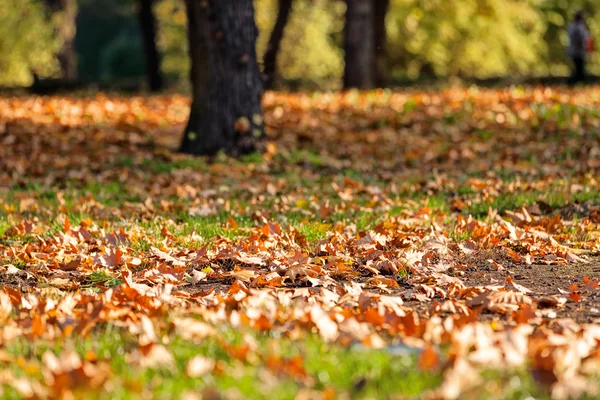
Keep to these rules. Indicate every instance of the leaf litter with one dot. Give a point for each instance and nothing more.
(462, 223)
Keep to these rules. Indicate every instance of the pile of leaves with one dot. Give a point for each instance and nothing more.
(461, 227)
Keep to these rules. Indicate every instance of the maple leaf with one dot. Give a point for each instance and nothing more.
(518, 288)
(5, 306)
(112, 257)
(154, 356)
(429, 359)
(501, 302)
(163, 256)
(192, 329)
(245, 275)
(327, 328)
(199, 366)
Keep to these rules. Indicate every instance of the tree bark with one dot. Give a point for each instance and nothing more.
(359, 45)
(148, 26)
(226, 112)
(66, 31)
(380, 10)
(270, 57)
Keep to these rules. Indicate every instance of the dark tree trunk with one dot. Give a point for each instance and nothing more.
(270, 57)
(226, 112)
(380, 11)
(67, 56)
(148, 25)
(358, 45)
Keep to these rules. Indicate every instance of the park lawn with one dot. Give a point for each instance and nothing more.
(237, 363)
(370, 252)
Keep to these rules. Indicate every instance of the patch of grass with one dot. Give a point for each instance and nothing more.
(166, 167)
(4, 226)
(555, 198)
(314, 231)
(362, 374)
(504, 202)
(438, 202)
(403, 273)
(252, 158)
(102, 278)
(303, 157)
(214, 225)
(459, 236)
(516, 384)
(485, 134)
(17, 262)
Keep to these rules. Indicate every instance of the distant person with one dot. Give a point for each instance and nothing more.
(579, 42)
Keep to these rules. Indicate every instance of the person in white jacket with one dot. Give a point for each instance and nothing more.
(577, 50)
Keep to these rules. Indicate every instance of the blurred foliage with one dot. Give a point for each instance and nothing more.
(309, 51)
(427, 38)
(311, 47)
(474, 38)
(172, 38)
(27, 43)
(557, 14)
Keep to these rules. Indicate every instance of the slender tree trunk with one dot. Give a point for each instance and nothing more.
(226, 112)
(148, 25)
(66, 31)
(380, 11)
(270, 57)
(358, 45)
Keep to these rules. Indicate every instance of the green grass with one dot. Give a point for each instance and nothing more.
(4, 225)
(358, 373)
(314, 231)
(303, 157)
(513, 201)
(103, 279)
(167, 167)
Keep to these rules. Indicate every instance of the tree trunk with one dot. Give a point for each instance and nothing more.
(66, 31)
(226, 112)
(380, 11)
(148, 25)
(270, 57)
(358, 45)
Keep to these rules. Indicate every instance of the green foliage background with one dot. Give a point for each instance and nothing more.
(427, 38)
(27, 43)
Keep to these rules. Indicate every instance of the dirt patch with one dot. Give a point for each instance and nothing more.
(221, 286)
(543, 280)
(18, 281)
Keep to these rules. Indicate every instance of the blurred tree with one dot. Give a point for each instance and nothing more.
(311, 52)
(27, 42)
(432, 38)
(359, 49)
(380, 10)
(148, 26)
(270, 57)
(65, 13)
(226, 112)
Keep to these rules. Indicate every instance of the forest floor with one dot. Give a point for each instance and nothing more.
(409, 244)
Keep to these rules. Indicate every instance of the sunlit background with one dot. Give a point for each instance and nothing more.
(426, 39)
